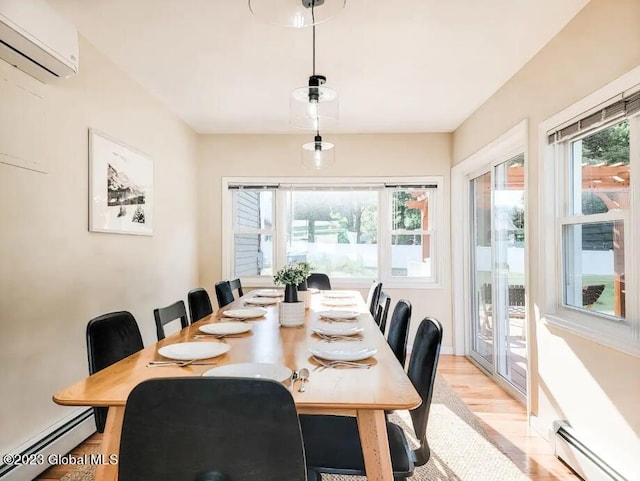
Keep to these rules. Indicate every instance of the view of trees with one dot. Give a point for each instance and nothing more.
(610, 146)
(355, 212)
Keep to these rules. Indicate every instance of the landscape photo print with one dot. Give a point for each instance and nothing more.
(120, 187)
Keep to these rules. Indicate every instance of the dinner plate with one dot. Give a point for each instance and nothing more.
(338, 314)
(233, 327)
(343, 350)
(245, 313)
(262, 370)
(337, 328)
(337, 294)
(188, 351)
(269, 293)
(338, 302)
(262, 301)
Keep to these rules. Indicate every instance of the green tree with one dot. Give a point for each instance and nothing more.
(610, 145)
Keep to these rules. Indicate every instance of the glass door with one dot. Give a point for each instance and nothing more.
(497, 236)
(482, 326)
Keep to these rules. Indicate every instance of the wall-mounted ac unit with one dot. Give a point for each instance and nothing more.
(37, 40)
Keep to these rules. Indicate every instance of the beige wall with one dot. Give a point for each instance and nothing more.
(54, 274)
(381, 155)
(596, 388)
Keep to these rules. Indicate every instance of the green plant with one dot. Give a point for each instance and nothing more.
(292, 274)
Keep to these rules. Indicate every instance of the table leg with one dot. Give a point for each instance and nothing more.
(375, 445)
(111, 444)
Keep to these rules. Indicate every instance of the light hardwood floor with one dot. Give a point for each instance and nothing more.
(504, 419)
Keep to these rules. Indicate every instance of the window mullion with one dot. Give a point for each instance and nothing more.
(385, 197)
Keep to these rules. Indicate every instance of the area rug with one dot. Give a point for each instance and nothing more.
(460, 447)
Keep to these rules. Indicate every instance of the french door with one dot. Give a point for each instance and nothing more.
(497, 319)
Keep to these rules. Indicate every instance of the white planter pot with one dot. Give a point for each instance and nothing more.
(291, 314)
(305, 296)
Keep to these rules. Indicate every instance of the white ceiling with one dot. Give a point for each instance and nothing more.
(398, 65)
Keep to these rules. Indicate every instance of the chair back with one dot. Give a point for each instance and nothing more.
(224, 294)
(235, 284)
(374, 295)
(319, 280)
(199, 304)
(164, 315)
(382, 311)
(230, 428)
(422, 373)
(399, 330)
(110, 337)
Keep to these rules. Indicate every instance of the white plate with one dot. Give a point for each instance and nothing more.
(337, 328)
(337, 294)
(269, 293)
(343, 351)
(313, 290)
(252, 370)
(262, 301)
(245, 313)
(188, 351)
(233, 327)
(338, 314)
(338, 302)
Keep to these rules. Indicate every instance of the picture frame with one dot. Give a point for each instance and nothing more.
(120, 187)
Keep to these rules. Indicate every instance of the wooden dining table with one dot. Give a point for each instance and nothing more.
(364, 393)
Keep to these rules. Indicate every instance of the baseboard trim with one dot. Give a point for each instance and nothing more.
(59, 439)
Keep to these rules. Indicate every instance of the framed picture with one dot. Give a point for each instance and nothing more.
(120, 187)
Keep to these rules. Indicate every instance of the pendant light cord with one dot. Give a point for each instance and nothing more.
(313, 20)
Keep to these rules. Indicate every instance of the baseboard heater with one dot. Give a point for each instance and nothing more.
(579, 457)
(59, 439)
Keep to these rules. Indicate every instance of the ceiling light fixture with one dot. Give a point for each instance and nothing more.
(296, 13)
(316, 103)
(318, 154)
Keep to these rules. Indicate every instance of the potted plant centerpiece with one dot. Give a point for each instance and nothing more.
(291, 311)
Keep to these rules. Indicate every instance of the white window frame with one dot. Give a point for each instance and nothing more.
(384, 227)
(623, 335)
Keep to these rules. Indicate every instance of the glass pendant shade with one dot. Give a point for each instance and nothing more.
(296, 13)
(314, 107)
(318, 154)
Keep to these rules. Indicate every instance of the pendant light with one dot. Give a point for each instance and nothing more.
(315, 104)
(296, 13)
(318, 154)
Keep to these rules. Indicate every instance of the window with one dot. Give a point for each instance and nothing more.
(353, 231)
(593, 159)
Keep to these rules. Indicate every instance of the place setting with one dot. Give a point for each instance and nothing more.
(222, 330)
(342, 354)
(331, 332)
(255, 370)
(262, 301)
(190, 354)
(338, 301)
(243, 314)
(338, 316)
(269, 293)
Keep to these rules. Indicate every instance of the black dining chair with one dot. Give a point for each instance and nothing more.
(110, 338)
(318, 280)
(230, 429)
(382, 311)
(224, 291)
(236, 285)
(332, 443)
(199, 304)
(374, 295)
(398, 334)
(165, 315)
